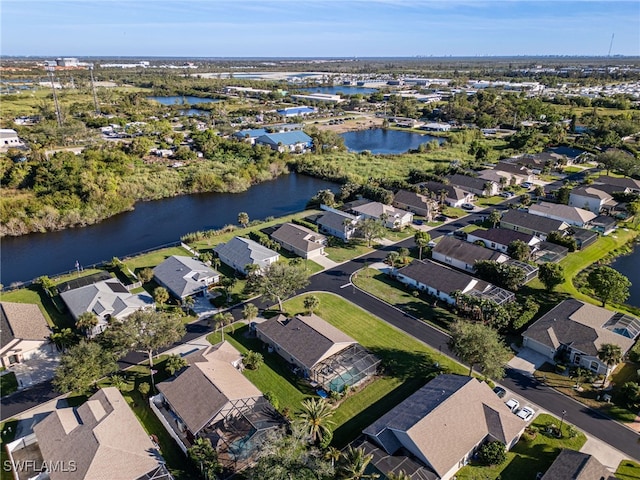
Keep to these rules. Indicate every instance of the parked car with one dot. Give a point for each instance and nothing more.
(468, 206)
(507, 194)
(460, 234)
(526, 185)
(501, 392)
(526, 413)
(513, 404)
(418, 222)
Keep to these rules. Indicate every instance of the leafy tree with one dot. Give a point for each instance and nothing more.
(205, 458)
(610, 354)
(243, 219)
(478, 344)
(311, 303)
(160, 295)
(145, 275)
(422, 240)
(279, 281)
(86, 322)
(205, 257)
(118, 382)
(494, 217)
(47, 284)
(521, 312)
(608, 284)
(630, 393)
(174, 364)
(559, 238)
(144, 388)
(82, 366)
(371, 229)
(562, 194)
(401, 475)
(315, 418)
(325, 197)
(551, 275)
(504, 275)
(539, 191)
(492, 453)
(252, 360)
(519, 250)
(250, 311)
(353, 465)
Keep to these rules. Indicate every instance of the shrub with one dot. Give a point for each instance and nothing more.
(492, 453)
(252, 360)
(144, 388)
(272, 399)
(304, 223)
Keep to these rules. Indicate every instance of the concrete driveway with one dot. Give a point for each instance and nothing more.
(527, 361)
(37, 369)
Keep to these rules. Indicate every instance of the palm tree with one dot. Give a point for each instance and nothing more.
(610, 354)
(215, 263)
(401, 475)
(315, 418)
(421, 240)
(63, 338)
(187, 303)
(86, 322)
(250, 311)
(494, 217)
(311, 303)
(353, 465)
(393, 259)
(442, 195)
(243, 219)
(333, 455)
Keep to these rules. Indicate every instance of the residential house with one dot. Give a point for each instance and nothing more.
(416, 203)
(500, 238)
(623, 184)
(9, 139)
(572, 155)
(107, 299)
(570, 215)
(545, 252)
(463, 255)
(23, 332)
(512, 174)
(185, 276)
(594, 198)
(337, 223)
(318, 351)
(296, 111)
(603, 224)
(100, 439)
(477, 186)
(577, 466)
(531, 224)
(391, 216)
(576, 330)
(211, 398)
(450, 194)
(294, 141)
(250, 135)
(442, 282)
(239, 252)
(436, 127)
(582, 236)
(535, 163)
(300, 240)
(464, 413)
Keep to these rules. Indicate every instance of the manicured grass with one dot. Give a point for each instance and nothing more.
(152, 259)
(628, 470)
(35, 294)
(529, 456)
(346, 251)
(398, 235)
(8, 384)
(6, 474)
(453, 212)
(490, 201)
(391, 291)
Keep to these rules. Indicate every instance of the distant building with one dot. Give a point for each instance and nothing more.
(296, 111)
(436, 127)
(294, 141)
(9, 139)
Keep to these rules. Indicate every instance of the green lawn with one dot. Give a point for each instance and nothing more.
(6, 474)
(398, 235)
(529, 456)
(628, 470)
(391, 291)
(490, 201)
(35, 294)
(346, 251)
(152, 259)
(8, 384)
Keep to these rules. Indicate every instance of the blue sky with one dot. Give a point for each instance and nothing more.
(314, 28)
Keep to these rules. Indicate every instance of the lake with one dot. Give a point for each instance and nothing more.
(380, 140)
(345, 90)
(629, 266)
(183, 100)
(151, 224)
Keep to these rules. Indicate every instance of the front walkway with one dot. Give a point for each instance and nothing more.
(37, 369)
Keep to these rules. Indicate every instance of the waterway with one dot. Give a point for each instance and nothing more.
(345, 90)
(629, 266)
(183, 100)
(380, 140)
(151, 224)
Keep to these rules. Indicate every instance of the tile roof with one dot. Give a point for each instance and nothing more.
(102, 436)
(244, 251)
(307, 338)
(462, 410)
(184, 276)
(572, 465)
(530, 221)
(23, 321)
(299, 237)
(466, 252)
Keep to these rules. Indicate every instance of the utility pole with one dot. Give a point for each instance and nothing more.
(93, 89)
(55, 95)
(611, 44)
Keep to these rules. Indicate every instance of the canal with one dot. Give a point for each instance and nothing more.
(629, 266)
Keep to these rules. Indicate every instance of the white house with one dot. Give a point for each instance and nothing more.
(393, 217)
(463, 255)
(592, 198)
(24, 331)
(240, 252)
(337, 223)
(185, 276)
(565, 213)
(9, 139)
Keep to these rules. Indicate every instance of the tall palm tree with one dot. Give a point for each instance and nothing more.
(250, 311)
(422, 240)
(243, 219)
(610, 354)
(86, 322)
(401, 475)
(353, 465)
(315, 418)
(333, 455)
(63, 338)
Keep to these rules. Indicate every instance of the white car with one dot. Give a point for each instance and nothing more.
(526, 413)
(513, 404)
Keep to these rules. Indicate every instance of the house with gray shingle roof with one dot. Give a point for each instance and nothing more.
(321, 352)
(529, 223)
(464, 255)
(594, 198)
(239, 252)
(23, 331)
(574, 465)
(416, 203)
(300, 240)
(185, 276)
(500, 238)
(565, 213)
(338, 224)
(107, 299)
(454, 196)
(393, 217)
(577, 330)
(100, 439)
(445, 422)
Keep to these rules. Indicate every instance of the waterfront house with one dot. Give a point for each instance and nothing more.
(185, 276)
(442, 282)
(463, 411)
(107, 300)
(337, 223)
(23, 332)
(570, 215)
(463, 255)
(416, 203)
(239, 252)
(500, 238)
(100, 439)
(392, 217)
(211, 398)
(296, 111)
(594, 198)
(300, 240)
(318, 351)
(574, 331)
(622, 184)
(294, 141)
(531, 224)
(477, 186)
